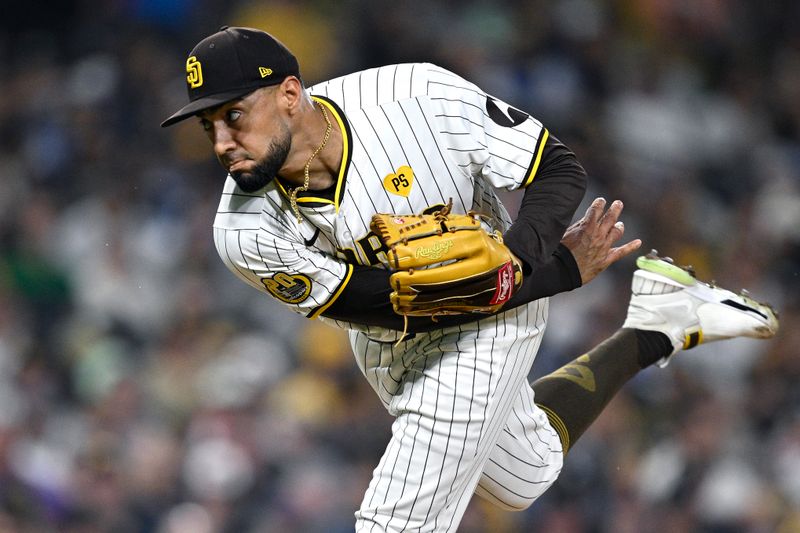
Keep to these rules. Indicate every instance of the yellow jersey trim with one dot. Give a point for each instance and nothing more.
(321, 309)
(308, 199)
(538, 158)
(345, 149)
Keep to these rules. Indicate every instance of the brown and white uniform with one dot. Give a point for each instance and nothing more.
(416, 136)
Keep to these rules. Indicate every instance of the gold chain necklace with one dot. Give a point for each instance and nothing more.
(293, 193)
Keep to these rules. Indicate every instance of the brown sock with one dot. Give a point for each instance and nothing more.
(574, 395)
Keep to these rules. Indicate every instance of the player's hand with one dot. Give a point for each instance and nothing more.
(591, 239)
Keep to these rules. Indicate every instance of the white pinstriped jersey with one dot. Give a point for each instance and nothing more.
(415, 136)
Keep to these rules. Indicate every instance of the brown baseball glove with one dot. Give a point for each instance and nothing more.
(446, 264)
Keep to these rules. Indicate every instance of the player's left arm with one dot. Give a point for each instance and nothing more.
(551, 197)
(509, 149)
(586, 247)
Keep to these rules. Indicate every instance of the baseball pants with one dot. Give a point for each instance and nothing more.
(465, 422)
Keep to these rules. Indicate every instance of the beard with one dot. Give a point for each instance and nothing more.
(267, 168)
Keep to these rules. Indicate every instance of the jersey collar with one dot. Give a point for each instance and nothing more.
(332, 195)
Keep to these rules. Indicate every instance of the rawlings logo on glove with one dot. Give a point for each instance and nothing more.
(446, 263)
(505, 284)
(436, 251)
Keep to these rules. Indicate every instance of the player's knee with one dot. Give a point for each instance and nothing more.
(516, 504)
(506, 499)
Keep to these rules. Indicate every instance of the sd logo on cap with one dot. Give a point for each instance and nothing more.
(230, 64)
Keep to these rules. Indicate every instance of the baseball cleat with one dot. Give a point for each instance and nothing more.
(670, 299)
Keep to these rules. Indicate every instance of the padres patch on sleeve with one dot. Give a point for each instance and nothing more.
(289, 288)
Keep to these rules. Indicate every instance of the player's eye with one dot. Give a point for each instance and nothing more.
(205, 124)
(232, 115)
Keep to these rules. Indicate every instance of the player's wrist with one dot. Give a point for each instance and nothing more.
(570, 265)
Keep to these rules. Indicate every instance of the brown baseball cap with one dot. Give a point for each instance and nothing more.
(230, 64)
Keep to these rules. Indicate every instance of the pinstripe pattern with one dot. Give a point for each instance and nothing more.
(464, 411)
(526, 459)
(415, 115)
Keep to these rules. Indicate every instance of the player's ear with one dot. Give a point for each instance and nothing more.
(290, 93)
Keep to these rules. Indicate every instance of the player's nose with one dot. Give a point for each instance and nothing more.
(223, 139)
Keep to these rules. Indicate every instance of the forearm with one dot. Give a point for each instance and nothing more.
(547, 207)
(365, 299)
(558, 274)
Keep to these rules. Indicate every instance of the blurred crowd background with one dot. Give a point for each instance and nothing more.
(144, 389)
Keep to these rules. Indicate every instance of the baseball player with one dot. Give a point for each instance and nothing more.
(309, 168)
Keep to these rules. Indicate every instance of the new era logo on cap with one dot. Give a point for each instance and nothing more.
(230, 64)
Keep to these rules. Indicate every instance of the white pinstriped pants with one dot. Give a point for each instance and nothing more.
(465, 423)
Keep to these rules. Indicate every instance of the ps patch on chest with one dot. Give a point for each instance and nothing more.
(399, 182)
(289, 288)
